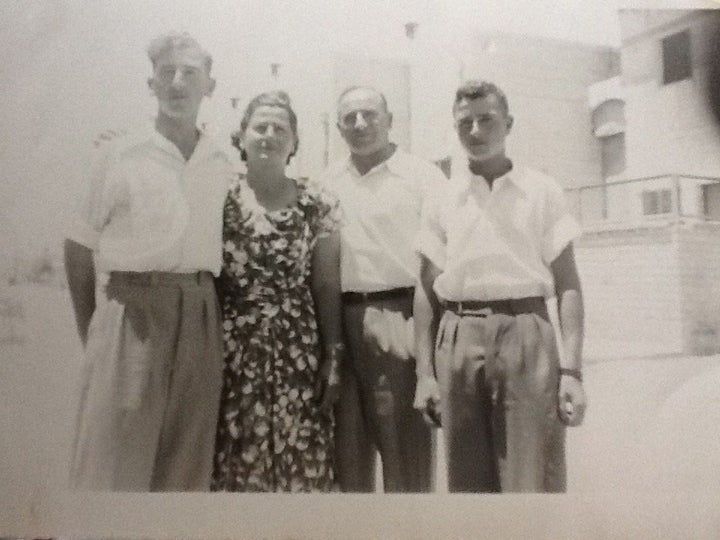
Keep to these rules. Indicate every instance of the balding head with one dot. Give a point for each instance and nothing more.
(364, 120)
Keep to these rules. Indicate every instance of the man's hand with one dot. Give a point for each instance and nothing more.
(571, 401)
(427, 399)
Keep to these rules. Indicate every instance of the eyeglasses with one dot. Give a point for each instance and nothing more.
(351, 119)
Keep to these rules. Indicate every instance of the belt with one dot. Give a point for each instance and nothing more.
(159, 278)
(483, 308)
(353, 297)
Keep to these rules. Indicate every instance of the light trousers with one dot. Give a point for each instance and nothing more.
(151, 386)
(498, 377)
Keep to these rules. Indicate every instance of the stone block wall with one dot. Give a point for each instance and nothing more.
(651, 290)
(631, 291)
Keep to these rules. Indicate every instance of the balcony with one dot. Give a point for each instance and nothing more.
(645, 202)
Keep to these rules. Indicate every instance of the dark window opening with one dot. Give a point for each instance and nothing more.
(677, 61)
(657, 201)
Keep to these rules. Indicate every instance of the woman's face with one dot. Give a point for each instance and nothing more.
(268, 135)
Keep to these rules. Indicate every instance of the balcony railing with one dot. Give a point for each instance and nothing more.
(656, 199)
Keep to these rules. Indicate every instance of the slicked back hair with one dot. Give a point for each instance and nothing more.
(476, 89)
(176, 40)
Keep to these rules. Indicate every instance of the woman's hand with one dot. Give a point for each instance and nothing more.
(327, 387)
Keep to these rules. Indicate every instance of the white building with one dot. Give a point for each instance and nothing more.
(651, 247)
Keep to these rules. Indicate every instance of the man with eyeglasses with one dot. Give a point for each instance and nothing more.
(381, 189)
(495, 243)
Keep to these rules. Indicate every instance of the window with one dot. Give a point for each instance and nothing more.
(711, 201)
(612, 154)
(657, 201)
(677, 61)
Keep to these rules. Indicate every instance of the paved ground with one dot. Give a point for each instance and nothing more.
(652, 425)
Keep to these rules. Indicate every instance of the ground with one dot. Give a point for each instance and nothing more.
(651, 426)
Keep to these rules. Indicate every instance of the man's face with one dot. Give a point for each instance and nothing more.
(363, 121)
(482, 126)
(180, 81)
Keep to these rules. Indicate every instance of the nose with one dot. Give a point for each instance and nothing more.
(178, 78)
(475, 130)
(360, 121)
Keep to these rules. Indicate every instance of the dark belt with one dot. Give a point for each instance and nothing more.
(353, 297)
(482, 308)
(145, 279)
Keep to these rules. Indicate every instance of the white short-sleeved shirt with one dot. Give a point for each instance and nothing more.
(146, 208)
(382, 217)
(496, 244)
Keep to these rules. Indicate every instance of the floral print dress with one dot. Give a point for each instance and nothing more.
(272, 435)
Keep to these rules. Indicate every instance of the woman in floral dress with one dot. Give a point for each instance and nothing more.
(280, 292)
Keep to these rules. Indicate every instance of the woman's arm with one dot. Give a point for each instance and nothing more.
(326, 293)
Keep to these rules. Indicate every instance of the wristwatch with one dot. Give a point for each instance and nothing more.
(575, 373)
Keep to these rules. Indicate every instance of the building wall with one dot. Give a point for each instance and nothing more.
(698, 255)
(652, 290)
(631, 290)
(669, 127)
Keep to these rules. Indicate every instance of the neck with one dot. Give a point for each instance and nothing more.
(491, 168)
(267, 178)
(363, 163)
(272, 189)
(181, 132)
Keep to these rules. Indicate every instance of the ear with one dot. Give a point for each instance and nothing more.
(509, 122)
(390, 119)
(210, 88)
(150, 82)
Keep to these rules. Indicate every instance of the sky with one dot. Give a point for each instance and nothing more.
(71, 68)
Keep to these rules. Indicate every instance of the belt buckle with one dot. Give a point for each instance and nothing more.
(482, 312)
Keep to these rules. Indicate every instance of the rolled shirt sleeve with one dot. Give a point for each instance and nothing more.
(431, 239)
(93, 209)
(561, 228)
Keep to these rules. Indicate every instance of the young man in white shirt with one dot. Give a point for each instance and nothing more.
(151, 217)
(381, 189)
(494, 245)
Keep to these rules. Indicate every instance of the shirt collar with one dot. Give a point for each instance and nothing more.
(472, 181)
(205, 145)
(394, 164)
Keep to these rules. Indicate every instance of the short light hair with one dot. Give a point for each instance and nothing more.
(475, 89)
(176, 40)
(361, 87)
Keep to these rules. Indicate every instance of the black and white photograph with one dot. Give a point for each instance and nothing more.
(359, 269)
